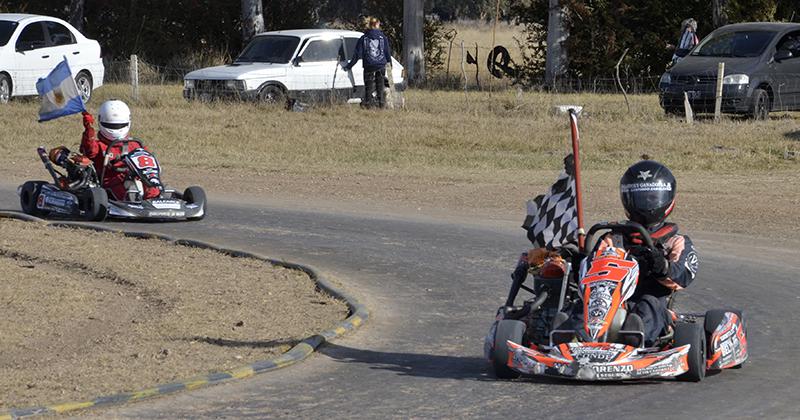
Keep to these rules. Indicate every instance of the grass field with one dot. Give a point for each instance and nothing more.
(440, 134)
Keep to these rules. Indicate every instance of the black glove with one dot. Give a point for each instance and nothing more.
(652, 262)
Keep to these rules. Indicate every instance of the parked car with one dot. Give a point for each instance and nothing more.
(30, 48)
(762, 71)
(304, 64)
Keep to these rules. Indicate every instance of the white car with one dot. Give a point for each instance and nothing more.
(303, 64)
(30, 48)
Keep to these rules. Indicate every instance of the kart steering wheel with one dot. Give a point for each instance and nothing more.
(631, 230)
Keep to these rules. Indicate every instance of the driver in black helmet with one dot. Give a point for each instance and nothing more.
(647, 190)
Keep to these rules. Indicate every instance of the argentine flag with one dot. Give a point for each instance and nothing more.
(59, 94)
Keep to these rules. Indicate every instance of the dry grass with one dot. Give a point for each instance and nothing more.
(439, 135)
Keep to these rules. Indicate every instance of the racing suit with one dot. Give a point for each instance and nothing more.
(95, 146)
(654, 288)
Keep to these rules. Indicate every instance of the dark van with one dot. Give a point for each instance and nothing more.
(762, 71)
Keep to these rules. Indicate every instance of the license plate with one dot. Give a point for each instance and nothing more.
(693, 94)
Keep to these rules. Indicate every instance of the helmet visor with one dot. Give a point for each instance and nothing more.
(114, 126)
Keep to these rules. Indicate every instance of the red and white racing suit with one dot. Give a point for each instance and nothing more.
(95, 147)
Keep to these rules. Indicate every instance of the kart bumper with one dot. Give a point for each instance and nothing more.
(158, 209)
(598, 361)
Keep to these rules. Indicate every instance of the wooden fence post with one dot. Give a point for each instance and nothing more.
(135, 77)
(718, 97)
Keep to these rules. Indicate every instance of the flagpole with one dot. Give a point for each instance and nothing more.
(573, 121)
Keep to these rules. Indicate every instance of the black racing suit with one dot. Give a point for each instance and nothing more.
(650, 297)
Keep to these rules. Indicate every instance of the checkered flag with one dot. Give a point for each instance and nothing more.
(552, 219)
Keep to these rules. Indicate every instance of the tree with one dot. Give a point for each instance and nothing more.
(556, 61)
(76, 14)
(413, 41)
(252, 18)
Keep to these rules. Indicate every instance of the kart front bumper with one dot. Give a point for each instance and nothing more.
(598, 361)
(156, 209)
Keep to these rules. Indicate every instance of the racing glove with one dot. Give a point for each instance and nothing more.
(659, 266)
(88, 119)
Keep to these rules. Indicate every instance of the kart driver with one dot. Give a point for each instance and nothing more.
(115, 124)
(648, 194)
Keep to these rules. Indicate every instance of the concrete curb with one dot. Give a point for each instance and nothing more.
(358, 315)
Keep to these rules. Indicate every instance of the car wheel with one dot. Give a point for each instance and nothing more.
(96, 204)
(507, 329)
(28, 196)
(5, 89)
(84, 83)
(761, 105)
(272, 95)
(713, 319)
(196, 195)
(694, 335)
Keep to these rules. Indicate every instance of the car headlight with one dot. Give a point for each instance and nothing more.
(666, 79)
(234, 84)
(736, 79)
(188, 84)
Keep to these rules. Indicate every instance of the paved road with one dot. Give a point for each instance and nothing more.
(433, 287)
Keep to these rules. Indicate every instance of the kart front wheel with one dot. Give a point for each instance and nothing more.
(28, 195)
(507, 329)
(96, 204)
(196, 195)
(694, 335)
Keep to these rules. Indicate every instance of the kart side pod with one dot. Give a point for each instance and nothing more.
(726, 333)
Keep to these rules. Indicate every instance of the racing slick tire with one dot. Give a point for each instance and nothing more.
(196, 195)
(712, 320)
(507, 329)
(695, 335)
(96, 204)
(28, 196)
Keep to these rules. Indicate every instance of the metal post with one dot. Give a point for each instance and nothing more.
(135, 77)
(718, 101)
(573, 120)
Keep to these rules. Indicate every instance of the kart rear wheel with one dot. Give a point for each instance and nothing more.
(694, 335)
(28, 196)
(196, 195)
(712, 320)
(96, 204)
(507, 329)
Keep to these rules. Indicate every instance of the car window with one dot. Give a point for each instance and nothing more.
(791, 43)
(32, 37)
(323, 50)
(269, 49)
(734, 44)
(59, 34)
(6, 30)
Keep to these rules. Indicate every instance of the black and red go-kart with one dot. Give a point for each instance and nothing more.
(78, 193)
(581, 328)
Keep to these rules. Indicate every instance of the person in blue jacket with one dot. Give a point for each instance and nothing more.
(374, 49)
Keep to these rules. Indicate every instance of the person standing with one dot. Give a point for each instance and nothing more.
(687, 41)
(374, 50)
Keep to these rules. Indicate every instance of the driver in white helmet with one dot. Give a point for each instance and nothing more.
(115, 124)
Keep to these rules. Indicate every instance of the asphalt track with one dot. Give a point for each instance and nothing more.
(433, 287)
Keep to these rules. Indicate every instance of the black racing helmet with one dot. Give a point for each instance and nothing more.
(647, 190)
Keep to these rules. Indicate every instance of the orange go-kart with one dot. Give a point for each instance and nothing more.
(582, 327)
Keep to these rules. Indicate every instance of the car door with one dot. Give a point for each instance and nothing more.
(319, 66)
(356, 74)
(32, 58)
(785, 67)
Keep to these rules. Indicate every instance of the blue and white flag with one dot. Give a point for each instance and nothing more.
(59, 94)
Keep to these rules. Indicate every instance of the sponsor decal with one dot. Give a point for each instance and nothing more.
(646, 186)
(593, 354)
(644, 175)
(166, 204)
(166, 213)
(692, 263)
(613, 368)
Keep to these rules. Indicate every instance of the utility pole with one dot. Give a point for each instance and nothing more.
(252, 19)
(556, 60)
(76, 14)
(413, 48)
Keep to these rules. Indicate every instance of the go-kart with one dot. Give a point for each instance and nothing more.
(582, 327)
(79, 192)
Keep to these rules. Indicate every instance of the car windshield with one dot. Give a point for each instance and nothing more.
(6, 29)
(269, 49)
(734, 44)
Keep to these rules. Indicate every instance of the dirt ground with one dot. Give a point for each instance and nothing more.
(78, 324)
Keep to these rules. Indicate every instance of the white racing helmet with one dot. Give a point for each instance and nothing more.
(115, 119)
